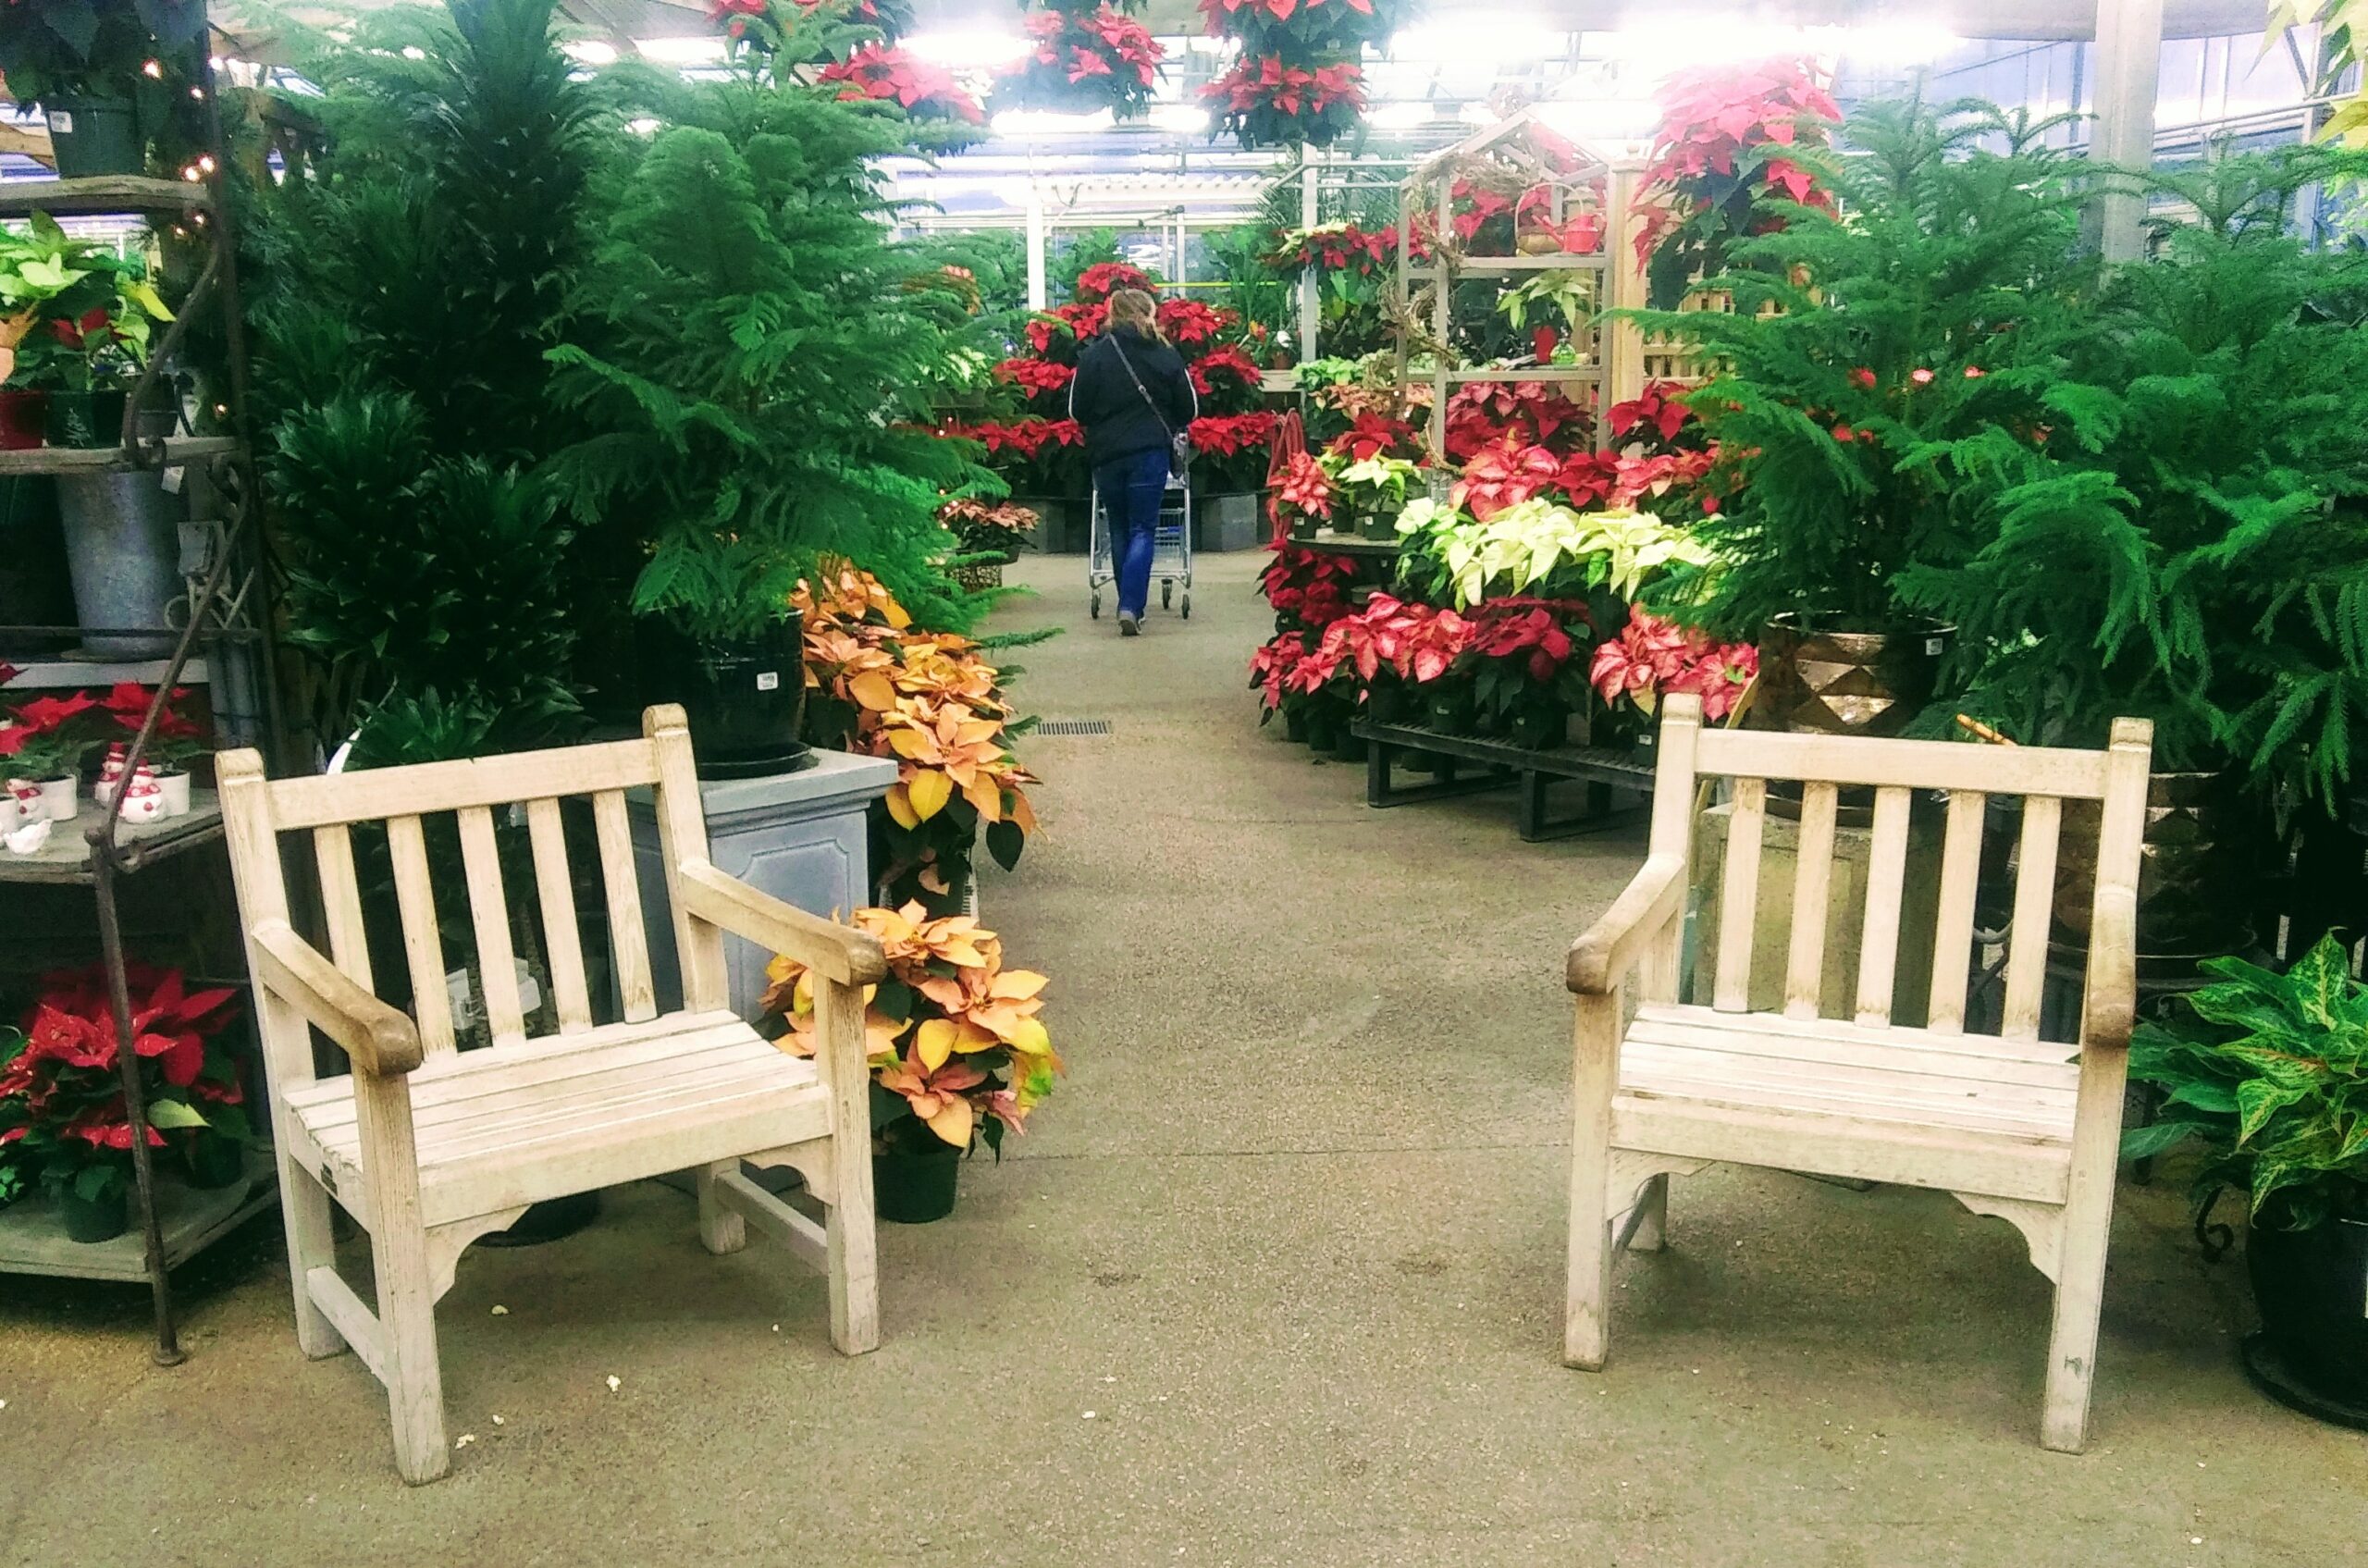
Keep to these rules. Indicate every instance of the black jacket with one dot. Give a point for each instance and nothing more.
(1119, 421)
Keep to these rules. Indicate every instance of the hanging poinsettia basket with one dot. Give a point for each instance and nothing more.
(1085, 55)
(1300, 76)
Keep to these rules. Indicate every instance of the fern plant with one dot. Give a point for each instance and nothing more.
(757, 378)
(2186, 535)
(1915, 329)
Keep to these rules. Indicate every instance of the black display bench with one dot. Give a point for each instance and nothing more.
(1604, 771)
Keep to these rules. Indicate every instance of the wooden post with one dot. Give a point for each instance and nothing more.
(2129, 68)
(1620, 346)
(1308, 299)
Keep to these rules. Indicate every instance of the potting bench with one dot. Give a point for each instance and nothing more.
(225, 610)
(1603, 768)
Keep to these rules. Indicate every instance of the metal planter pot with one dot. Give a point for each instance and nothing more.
(1818, 678)
(123, 549)
(2309, 1286)
(2195, 869)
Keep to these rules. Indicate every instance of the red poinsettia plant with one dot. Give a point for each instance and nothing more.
(1098, 282)
(1652, 656)
(1372, 434)
(63, 1120)
(49, 737)
(178, 739)
(1085, 55)
(1486, 413)
(886, 72)
(1735, 143)
(1301, 497)
(1035, 456)
(1309, 590)
(1267, 101)
(1230, 450)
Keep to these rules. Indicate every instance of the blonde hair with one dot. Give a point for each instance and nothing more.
(1136, 308)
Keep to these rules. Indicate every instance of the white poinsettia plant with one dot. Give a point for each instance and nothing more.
(1536, 544)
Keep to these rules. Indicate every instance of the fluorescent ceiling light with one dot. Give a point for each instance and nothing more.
(1403, 117)
(681, 51)
(1478, 113)
(591, 51)
(1489, 38)
(1182, 118)
(1044, 122)
(967, 48)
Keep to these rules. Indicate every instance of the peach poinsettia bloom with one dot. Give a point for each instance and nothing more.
(961, 1029)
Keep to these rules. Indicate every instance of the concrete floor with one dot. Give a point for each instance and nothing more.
(1275, 1279)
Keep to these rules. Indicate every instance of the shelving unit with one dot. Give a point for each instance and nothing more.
(1606, 356)
(225, 606)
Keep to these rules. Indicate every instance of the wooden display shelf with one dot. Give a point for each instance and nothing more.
(101, 195)
(33, 1239)
(66, 858)
(1601, 769)
(1532, 373)
(112, 460)
(1486, 266)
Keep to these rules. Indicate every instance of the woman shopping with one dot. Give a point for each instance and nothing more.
(1135, 400)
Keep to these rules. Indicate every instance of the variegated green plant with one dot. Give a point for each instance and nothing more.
(1374, 486)
(1535, 545)
(2269, 1076)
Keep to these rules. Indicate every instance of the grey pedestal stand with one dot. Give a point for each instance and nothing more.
(798, 836)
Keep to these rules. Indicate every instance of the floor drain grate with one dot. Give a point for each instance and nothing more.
(1074, 727)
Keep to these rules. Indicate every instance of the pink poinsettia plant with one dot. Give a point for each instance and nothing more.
(1652, 656)
(885, 73)
(63, 1118)
(959, 1049)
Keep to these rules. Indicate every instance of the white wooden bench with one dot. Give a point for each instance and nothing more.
(2014, 1127)
(427, 1148)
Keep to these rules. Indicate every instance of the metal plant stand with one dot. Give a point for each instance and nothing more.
(228, 609)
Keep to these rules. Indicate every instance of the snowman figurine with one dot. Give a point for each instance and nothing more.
(143, 797)
(110, 779)
(24, 821)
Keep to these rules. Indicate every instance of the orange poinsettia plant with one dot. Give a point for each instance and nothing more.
(958, 1048)
(878, 685)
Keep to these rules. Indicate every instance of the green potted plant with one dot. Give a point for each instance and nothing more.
(759, 394)
(107, 74)
(1852, 417)
(959, 1054)
(78, 322)
(2174, 530)
(62, 1112)
(44, 743)
(2266, 1076)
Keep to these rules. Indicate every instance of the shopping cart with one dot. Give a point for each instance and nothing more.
(1171, 555)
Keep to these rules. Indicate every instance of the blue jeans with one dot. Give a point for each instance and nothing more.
(1131, 488)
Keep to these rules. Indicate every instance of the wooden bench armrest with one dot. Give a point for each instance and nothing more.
(837, 952)
(2112, 1010)
(378, 1038)
(1613, 943)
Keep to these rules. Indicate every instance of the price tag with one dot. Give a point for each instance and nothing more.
(1932, 647)
(768, 681)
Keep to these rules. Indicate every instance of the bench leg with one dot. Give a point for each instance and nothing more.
(1587, 1297)
(851, 1249)
(721, 1229)
(2072, 1340)
(1378, 773)
(305, 1216)
(1652, 1219)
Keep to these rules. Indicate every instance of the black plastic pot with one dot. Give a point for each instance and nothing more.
(744, 698)
(1295, 727)
(914, 1189)
(84, 419)
(94, 136)
(1541, 728)
(548, 1221)
(211, 1161)
(1349, 747)
(95, 1220)
(2311, 1286)
(1449, 711)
